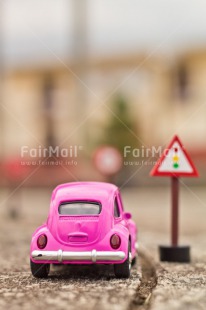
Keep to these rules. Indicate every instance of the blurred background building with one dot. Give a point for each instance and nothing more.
(64, 65)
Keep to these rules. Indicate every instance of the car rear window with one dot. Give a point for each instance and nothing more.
(80, 208)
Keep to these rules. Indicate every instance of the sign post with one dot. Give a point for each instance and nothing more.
(174, 163)
(175, 213)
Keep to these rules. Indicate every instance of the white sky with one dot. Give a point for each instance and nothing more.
(114, 26)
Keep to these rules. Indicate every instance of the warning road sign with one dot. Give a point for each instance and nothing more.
(175, 161)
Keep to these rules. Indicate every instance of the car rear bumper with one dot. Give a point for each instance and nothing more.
(63, 256)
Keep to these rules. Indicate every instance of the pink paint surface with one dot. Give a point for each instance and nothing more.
(78, 233)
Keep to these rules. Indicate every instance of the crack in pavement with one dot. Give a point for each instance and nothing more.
(144, 291)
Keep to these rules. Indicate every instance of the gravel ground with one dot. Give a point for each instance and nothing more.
(180, 287)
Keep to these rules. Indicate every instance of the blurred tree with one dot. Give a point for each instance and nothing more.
(121, 129)
(48, 105)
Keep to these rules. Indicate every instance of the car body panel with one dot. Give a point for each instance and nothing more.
(85, 233)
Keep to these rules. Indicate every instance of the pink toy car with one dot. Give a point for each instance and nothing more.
(86, 225)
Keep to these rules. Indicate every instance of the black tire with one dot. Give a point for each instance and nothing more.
(39, 270)
(123, 270)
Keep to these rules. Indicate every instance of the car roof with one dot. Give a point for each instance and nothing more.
(84, 190)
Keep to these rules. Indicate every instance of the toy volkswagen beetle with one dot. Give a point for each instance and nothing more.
(86, 225)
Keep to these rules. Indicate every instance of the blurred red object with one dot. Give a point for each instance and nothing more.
(108, 160)
(13, 169)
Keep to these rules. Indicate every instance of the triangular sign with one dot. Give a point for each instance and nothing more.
(175, 161)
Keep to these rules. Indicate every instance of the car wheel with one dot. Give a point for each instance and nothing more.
(39, 270)
(123, 270)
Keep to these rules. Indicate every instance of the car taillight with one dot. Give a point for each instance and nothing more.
(115, 241)
(42, 241)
